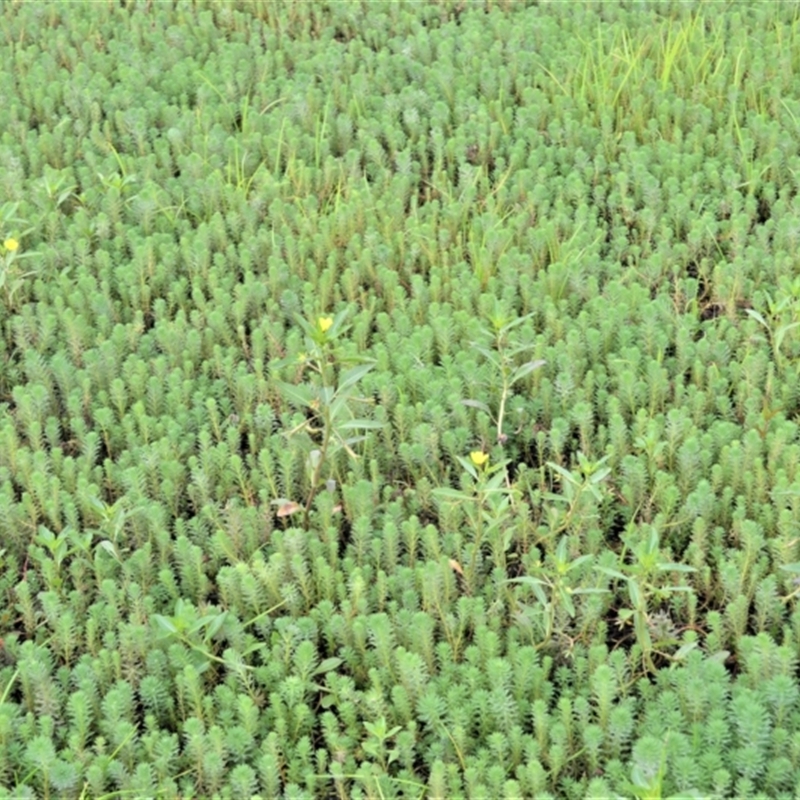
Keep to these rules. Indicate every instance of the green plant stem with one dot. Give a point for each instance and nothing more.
(478, 536)
(326, 438)
(502, 410)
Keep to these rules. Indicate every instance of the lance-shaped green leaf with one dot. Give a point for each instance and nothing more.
(565, 593)
(452, 494)
(338, 402)
(360, 424)
(591, 591)
(634, 593)
(564, 473)
(165, 623)
(211, 622)
(300, 395)
(535, 584)
(684, 651)
(781, 333)
(485, 352)
(521, 371)
(477, 404)
(673, 567)
(468, 466)
(757, 317)
(495, 482)
(354, 440)
(574, 563)
(353, 376)
(613, 573)
(327, 665)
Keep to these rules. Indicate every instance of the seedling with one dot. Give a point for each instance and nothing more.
(503, 359)
(780, 318)
(328, 400)
(643, 588)
(489, 506)
(12, 278)
(554, 588)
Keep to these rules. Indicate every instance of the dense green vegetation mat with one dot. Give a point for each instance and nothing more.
(399, 400)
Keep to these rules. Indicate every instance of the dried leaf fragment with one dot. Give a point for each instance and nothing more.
(288, 508)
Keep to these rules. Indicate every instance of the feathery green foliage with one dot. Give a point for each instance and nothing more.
(399, 400)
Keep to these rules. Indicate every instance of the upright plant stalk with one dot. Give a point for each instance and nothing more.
(328, 401)
(320, 460)
(503, 359)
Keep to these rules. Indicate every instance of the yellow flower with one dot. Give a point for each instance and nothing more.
(324, 323)
(11, 245)
(478, 458)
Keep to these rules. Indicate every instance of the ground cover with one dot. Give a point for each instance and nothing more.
(399, 400)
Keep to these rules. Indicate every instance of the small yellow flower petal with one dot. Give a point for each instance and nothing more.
(478, 458)
(325, 323)
(11, 245)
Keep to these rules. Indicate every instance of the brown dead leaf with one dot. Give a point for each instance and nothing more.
(287, 509)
